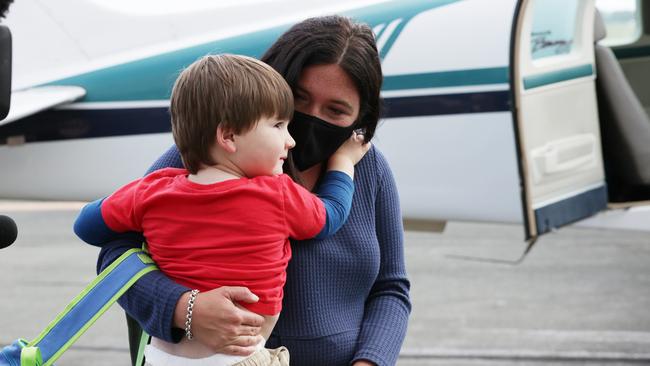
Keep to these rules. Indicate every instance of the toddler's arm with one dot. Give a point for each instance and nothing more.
(91, 227)
(105, 220)
(336, 193)
(337, 187)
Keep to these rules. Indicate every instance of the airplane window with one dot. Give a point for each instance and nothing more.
(553, 28)
(622, 21)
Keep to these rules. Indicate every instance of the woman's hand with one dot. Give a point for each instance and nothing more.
(363, 363)
(219, 323)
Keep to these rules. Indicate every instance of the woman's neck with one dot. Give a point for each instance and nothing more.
(311, 176)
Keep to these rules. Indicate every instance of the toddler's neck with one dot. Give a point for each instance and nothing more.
(212, 174)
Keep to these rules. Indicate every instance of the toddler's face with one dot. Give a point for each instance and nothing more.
(263, 149)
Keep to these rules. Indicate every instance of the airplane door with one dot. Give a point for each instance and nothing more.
(556, 114)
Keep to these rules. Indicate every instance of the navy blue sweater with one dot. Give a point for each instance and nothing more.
(346, 296)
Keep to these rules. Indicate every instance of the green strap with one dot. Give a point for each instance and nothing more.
(144, 341)
(31, 356)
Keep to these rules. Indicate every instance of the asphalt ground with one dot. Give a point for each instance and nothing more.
(581, 297)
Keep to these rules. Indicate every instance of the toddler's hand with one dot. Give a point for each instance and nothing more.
(353, 149)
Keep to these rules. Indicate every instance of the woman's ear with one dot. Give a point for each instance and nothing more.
(226, 139)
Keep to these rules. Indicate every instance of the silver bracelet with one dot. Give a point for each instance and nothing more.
(188, 317)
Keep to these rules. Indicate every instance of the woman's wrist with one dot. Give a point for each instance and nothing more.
(180, 312)
(188, 316)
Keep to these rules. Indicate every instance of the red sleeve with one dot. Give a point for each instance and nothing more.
(120, 210)
(304, 212)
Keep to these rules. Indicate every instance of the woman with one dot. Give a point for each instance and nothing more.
(347, 297)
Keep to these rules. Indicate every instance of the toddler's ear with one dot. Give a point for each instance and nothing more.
(226, 139)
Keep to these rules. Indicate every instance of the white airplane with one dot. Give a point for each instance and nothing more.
(491, 106)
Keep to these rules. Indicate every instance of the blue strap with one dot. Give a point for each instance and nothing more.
(86, 308)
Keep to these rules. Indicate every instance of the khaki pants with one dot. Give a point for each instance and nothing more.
(267, 357)
(262, 357)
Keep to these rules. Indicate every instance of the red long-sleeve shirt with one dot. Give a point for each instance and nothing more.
(232, 233)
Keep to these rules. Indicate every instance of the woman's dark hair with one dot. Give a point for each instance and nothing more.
(333, 40)
(4, 6)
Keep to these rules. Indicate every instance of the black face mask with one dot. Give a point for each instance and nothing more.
(316, 140)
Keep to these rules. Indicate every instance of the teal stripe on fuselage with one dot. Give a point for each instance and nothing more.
(535, 81)
(386, 13)
(141, 79)
(404, 9)
(152, 78)
(495, 75)
(391, 40)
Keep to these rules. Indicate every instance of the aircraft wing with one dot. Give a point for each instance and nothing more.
(30, 101)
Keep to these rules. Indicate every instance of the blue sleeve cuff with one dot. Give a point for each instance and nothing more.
(90, 226)
(336, 192)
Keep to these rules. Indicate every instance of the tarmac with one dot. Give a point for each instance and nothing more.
(581, 297)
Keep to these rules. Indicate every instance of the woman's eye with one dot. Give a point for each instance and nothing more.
(337, 112)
